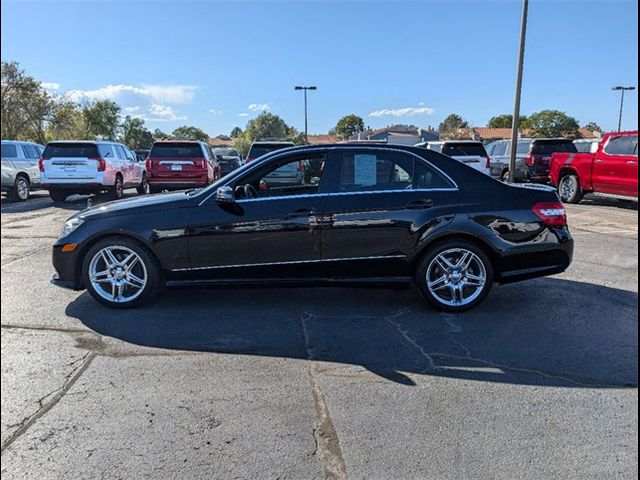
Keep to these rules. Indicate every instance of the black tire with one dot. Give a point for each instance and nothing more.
(153, 189)
(569, 189)
(422, 270)
(143, 188)
(154, 283)
(117, 191)
(21, 189)
(505, 176)
(58, 195)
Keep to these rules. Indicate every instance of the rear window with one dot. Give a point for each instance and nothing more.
(262, 149)
(176, 150)
(585, 147)
(226, 152)
(9, 150)
(88, 150)
(464, 149)
(552, 146)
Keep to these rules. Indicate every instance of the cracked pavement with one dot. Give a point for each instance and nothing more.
(538, 382)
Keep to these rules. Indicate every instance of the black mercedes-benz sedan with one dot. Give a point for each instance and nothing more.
(318, 215)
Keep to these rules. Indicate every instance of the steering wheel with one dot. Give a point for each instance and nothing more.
(250, 191)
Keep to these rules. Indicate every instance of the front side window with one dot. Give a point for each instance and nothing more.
(619, 146)
(300, 175)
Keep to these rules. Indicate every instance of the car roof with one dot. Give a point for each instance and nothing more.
(442, 142)
(272, 142)
(95, 142)
(21, 141)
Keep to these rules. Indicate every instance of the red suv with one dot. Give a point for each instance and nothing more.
(179, 164)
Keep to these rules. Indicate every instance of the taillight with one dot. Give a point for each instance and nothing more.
(41, 164)
(553, 214)
(147, 165)
(102, 164)
(529, 160)
(488, 164)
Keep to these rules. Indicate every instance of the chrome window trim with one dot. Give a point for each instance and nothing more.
(336, 194)
(293, 262)
(285, 152)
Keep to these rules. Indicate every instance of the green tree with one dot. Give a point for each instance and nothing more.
(25, 105)
(134, 134)
(349, 125)
(506, 121)
(66, 121)
(236, 132)
(593, 126)
(553, 123)
(159, 134)
(190, 133)
(452, 125)
(266, 125)
(101, 119)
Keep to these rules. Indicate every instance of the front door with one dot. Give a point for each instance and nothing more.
(381, 203)
(615, 168)
(271, 231)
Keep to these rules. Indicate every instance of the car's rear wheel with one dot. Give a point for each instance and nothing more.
(143, 188)
(121, 273)
(455, 276)
(505, 176)
(21, 189)
(569, 189)
(58, 195)
(117, 191)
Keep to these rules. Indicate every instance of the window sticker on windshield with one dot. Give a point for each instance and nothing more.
(365, 169)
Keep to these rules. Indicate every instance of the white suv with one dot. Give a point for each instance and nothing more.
(82, 167)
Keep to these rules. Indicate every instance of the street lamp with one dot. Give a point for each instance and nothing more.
(516, 105)
(305, 108)
(622, 89)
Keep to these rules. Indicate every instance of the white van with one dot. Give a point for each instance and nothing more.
(82, 167)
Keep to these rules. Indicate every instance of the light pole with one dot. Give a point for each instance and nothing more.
(305, 108)
(622, 89)
(516, 106)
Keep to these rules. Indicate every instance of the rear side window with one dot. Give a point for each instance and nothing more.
(523, 147)
(500, 149)
(88, 150)
(106, 151)
(30, 151)
(9, 150)
(176, 150)
(553, 146)
(623, 145)
(464, 149)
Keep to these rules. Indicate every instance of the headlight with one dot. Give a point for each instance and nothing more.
(70, 225)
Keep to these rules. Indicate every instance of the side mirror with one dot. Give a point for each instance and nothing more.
(225, 195)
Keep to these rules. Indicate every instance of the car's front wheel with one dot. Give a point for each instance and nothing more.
(454, 276)
(569, 189)
(121, 273)
(117, 191)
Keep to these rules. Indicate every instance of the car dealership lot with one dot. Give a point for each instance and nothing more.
(537, 382)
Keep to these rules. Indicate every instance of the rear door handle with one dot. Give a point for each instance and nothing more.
(599, 161)
(420, 204)
(632, 162)
(302, 213)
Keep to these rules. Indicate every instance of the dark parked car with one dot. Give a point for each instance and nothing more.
(228, 158)
(141, 154)
(371, 214)
(532, 157)
(258, 149)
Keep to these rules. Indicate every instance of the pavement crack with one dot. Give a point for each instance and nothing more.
(327, 445)
(405, 334)
(50, 400)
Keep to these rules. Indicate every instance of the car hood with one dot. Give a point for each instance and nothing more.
(147, 203)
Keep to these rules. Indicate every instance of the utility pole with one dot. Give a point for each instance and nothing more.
(516, 106)
(622, 90)
(305, 109)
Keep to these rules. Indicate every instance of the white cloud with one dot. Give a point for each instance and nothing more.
(402, 112)
(172, 94)
(213, 111)
(243, 114)
(163, 113)
(421, 104)
(50, 86)
(134, 109)
(258, 107)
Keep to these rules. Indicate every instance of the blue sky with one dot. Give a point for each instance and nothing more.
(217, 64)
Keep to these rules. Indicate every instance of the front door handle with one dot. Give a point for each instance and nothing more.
(302, 213)
(420, 204)
(632, 162)
(599, 161)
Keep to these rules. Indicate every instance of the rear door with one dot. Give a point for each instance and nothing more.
(378, 202)
(615, 168)
(68, 161)
(31, 155)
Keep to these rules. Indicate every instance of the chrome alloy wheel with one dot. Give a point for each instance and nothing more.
(456, 277)
(22, 189)
(568, 187)
(117, 274)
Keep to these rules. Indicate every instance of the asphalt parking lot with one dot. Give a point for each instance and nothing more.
(540, 381)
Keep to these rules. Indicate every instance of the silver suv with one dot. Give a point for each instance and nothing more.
(20, 168)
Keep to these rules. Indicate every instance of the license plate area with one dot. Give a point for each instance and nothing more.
(176, 167)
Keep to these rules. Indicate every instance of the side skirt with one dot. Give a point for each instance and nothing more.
(382, 282)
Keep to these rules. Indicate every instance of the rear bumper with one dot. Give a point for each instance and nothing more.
(177, 184)
(89, 186)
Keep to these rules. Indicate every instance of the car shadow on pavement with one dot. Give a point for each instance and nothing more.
(41, 201)
(547, 332)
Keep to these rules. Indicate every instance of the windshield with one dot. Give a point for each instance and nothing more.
(176, 150)
(83, 150)
(464, 149)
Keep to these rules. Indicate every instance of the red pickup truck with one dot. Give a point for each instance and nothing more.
(612, 169)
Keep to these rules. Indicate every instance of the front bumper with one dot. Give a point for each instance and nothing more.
(58, 282)
(64, 263)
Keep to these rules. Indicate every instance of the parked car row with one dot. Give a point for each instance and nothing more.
(20, 172)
